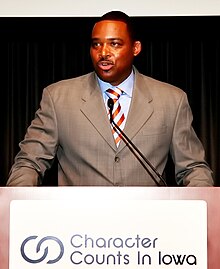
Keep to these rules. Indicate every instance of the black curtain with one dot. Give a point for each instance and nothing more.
(35, 52)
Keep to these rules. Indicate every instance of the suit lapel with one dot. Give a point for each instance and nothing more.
(140, 109)
(94, 109)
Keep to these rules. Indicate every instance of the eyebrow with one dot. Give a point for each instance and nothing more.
(109, 39)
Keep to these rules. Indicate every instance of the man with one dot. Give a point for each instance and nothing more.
(75, 123)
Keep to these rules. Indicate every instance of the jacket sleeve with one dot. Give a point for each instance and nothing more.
(38, 148)
(187, 150)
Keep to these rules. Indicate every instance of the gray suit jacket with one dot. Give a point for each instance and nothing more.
(72, 122)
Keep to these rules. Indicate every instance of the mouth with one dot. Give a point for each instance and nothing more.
(105, 65)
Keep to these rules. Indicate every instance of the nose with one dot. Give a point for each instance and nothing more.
(104, 50)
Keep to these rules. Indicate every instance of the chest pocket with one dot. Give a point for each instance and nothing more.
(154, 131)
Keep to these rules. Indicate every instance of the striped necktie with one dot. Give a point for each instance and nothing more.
(117, 113)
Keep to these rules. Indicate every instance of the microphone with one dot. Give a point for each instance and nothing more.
(134, 149)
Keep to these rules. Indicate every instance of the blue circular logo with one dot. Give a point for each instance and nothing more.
(38, 248)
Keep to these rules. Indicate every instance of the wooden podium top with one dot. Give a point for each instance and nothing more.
(209, 194)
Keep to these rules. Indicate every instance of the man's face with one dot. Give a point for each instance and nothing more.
(112, 51)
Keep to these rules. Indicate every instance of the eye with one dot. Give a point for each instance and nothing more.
(116, 44)
(95, 45)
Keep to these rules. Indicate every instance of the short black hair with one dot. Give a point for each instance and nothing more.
(117, 15)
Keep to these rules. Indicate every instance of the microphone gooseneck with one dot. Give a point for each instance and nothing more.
(134, 148)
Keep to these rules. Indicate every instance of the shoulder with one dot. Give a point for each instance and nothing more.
(70, 89)
(71, 84)
(158, 89)
(158, 85)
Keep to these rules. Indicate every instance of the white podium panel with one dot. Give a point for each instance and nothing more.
(78, 196)
(108, 233)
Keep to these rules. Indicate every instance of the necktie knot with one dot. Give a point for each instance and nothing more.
(114, 94)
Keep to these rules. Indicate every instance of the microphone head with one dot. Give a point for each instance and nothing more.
(110, 104)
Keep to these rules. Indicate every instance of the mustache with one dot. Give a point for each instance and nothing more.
(105, 59)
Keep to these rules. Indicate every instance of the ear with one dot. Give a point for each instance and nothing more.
(137, 48)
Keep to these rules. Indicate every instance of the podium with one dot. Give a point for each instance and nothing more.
(210, 195)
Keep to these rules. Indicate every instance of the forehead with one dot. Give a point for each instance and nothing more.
(109, 29)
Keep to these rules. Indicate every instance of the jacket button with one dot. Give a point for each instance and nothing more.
(117, 159)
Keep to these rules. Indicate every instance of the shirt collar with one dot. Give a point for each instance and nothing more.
(126, 86)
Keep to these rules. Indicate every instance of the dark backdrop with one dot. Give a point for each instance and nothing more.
(34, 52)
